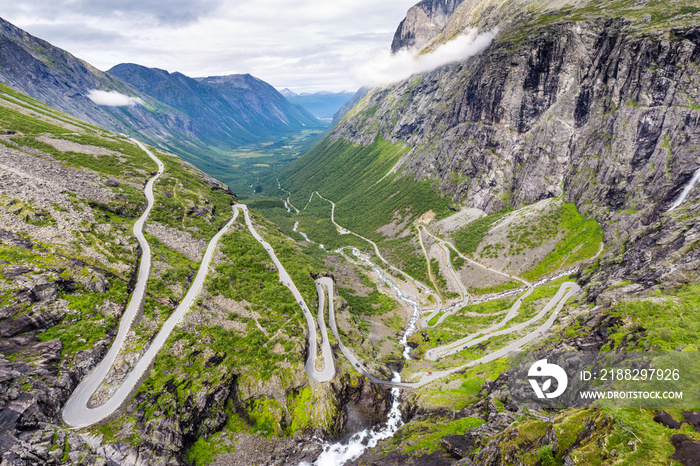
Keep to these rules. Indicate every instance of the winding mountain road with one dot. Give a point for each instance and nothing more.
(455, 276)
(495, 330)
(324, 286)
(425, 323)
(345, 231)
(287, 202)
(328, 370)
(566, 291)
(78, 411)
(448, 245)
(427, 260)
(553, 307)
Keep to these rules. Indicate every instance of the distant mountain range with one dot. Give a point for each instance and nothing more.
(321, 104)
(200, 118)
(222, 110)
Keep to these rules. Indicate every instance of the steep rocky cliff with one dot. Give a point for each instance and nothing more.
(423, 22)
(604, 111)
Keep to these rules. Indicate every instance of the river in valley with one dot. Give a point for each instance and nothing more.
(339, 453)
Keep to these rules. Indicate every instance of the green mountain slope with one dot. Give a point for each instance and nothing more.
(350, 176)
(224, 112)
(69, 197)
(202, 122)
(563, 145)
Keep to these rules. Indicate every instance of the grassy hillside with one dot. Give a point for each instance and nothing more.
(69, 197)
(359, 180)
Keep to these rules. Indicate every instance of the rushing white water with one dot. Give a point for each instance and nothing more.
(306, 237)
(337, 454)
(565, 273)
(286, 206)
(684, 194)
(295, 229)
(413, 322)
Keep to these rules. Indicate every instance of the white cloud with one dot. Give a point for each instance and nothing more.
(311, 43)
(113, 98)
(386, 68)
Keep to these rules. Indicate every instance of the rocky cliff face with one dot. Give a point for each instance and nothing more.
(575, 94)
(357, 97)
(596, 110)
(596, 103)
(423, 22)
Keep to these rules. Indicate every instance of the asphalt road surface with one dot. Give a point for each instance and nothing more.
(328, 370)
(78, 411)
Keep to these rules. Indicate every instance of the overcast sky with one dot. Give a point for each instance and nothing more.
(305, 45)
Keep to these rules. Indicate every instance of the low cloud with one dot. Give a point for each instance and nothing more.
(76, 32)
(170, 13)
(113, 98)
(386, 68)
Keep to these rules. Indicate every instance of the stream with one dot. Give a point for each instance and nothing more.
(413, 322)
(337, 454)
(306, 237)
(686, 190)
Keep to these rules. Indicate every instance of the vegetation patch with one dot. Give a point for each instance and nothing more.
(357, 179)
(374, 304)
(668, 320)
(468, 239)
(83, 333)
(581, 240)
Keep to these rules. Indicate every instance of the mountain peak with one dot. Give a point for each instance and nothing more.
(423, 22)
(288, 93)
(179, 112)
(321, 104)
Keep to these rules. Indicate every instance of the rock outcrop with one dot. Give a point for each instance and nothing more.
(574, 95)
(423, 22)
(687, 451)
